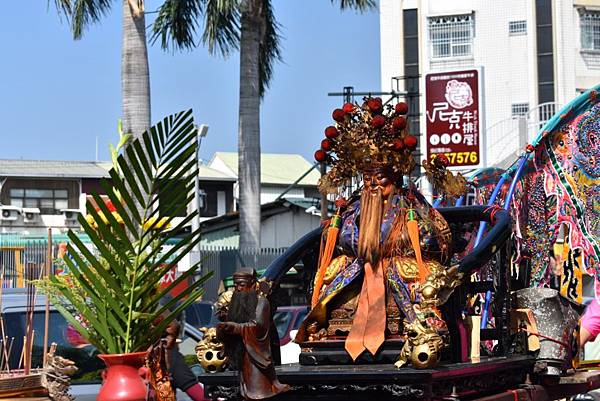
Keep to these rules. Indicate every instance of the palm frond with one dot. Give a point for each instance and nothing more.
(115, 291)
(63, 7)
(176, 24)
(86, 12)
(270, 50)
(360, 5)
(221, 26)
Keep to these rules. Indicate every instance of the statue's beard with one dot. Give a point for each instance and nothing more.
(371, 214)
(242, 309)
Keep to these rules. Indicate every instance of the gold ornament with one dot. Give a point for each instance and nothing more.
(210, 351)
(423, 346)
(443, 180)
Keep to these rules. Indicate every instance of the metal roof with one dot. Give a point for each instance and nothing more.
(275, 168)
(79, 169)
(53, 168)
(210, 174)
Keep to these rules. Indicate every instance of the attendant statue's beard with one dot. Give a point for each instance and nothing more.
(242, 309)
(369, 235)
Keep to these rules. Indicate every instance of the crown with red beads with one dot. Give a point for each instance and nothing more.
(367, 136)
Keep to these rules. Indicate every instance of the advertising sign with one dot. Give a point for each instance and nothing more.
(453, 116)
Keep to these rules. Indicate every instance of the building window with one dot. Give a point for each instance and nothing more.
(590, 30)
(451, 36)
(516, 28)
(49, 201)
(519, 109)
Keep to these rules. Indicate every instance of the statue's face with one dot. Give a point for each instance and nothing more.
(378, 179)
(243, 284)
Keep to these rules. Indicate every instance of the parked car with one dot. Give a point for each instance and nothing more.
(287, 319)
(201, 314)
(85, 383)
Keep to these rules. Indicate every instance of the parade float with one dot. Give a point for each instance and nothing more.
(413, 301)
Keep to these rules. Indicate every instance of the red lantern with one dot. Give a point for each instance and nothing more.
(320, 156)
(399, 123)
(331, 132)
(348, 108)
(401, 108)
(326, 144)
(338, 115)
(410, 141)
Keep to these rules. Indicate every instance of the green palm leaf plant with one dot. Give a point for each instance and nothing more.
(112, 293)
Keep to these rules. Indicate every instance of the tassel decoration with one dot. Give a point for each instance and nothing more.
(326, 255)
(413, 233)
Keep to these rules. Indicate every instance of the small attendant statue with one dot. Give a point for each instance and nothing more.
(246, 335)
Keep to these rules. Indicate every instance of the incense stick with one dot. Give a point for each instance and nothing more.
(47, 310)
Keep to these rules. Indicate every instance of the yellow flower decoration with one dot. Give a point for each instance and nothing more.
(154, 224)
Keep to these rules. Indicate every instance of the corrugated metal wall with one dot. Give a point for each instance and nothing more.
(224, 261)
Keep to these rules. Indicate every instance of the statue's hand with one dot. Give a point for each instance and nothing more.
(227, 327)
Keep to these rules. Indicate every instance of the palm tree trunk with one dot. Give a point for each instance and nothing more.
(135, 76)
(249, 126)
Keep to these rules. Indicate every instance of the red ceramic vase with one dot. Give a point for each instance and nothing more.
(122, 378)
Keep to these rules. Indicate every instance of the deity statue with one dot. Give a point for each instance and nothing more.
(384, 264)
(246, 335)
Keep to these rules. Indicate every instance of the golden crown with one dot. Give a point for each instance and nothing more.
(371, 135)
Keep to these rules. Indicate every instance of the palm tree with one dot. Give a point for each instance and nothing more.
(251, 27)
(135, 77)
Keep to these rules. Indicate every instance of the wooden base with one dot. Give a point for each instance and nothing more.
(332, 352)
(385, 382)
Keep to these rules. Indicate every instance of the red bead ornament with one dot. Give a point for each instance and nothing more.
(442, 160)
(401, 108)
(399, 123)
(320, 156)
(398, 145)
(529, 148)
(338, 115)
(341, 203)
(348, 108)
(331, 132)
(326, 144)
(378, 122)
(374, 104)
(410, 141)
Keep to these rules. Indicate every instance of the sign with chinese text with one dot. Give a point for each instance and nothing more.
(453, 117)
(169, 278)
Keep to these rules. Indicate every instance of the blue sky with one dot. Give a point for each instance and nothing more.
(57, 95)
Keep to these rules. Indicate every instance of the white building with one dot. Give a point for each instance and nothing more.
(536, 55)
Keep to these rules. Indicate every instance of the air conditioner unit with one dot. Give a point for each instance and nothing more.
(70, 214)
(30, 214)
(9, 213)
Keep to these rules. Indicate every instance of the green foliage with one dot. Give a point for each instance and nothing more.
(112, 293)
(178, 21)
(82, 13)
(191, 359)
